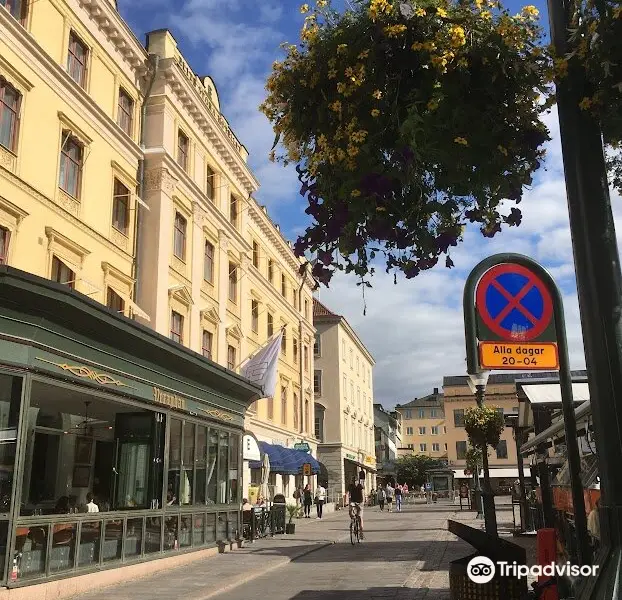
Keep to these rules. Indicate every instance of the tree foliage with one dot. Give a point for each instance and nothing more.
(412, 469)
(407, 120)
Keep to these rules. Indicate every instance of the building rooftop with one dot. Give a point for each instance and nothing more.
(319, 310)
(433, 400)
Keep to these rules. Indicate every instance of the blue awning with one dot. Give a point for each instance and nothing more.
(285, 461)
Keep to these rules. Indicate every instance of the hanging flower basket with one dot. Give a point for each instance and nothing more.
(474, 459)
(484, 425)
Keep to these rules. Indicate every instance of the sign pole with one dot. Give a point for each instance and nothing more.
(565, 376)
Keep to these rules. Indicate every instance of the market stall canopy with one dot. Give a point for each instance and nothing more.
(545, 395)
(286, 461)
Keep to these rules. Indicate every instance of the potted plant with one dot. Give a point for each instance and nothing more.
(483, 425)
(292, 510)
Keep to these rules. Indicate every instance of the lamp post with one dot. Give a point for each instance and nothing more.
(477, 383)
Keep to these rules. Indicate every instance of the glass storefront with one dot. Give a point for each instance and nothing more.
(104, 480)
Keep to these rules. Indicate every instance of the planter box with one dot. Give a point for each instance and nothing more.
(290, 528)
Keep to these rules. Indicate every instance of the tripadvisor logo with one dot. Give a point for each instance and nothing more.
(482, 570)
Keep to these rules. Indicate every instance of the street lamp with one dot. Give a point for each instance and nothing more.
(477, 383)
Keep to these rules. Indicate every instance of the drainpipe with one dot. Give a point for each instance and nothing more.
(301, 353)
(154, 61)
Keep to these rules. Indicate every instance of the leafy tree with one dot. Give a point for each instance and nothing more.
(412, 469)
(407, 120)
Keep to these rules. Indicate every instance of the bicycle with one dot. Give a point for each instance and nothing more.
(355, 523)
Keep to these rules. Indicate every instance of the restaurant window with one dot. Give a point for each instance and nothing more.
(233, 282)
(121, 207)
(177, 327)
(317, 382)
(10, 400)
(234, 470)
(231, 363)
(283, 285)
(5, 239)
(200, 464)
(183, 147)
(17, 8)
(212, 471)
(270, 270)
(210, 186)
(233, 210)
(461, 450)
(296, 411)
(10, 102)
(208, 262)
(114, 302)
(71, 163)
(295, 349)
(458, 417)
(179, 236)
(61, 273)
(284, 342)
(207, 342)
(502, 449)
(125, 114)
(317, 345)
(319, 423)
(255, 254)
(270, 325)
(77, 59)
(284, 405)
(255, 315)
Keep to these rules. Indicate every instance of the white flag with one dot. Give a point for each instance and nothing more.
(261, 369)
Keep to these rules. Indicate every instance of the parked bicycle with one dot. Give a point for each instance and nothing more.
(355, 523)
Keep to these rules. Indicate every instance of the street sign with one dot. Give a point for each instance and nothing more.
(302, 446)
(508, 355)
(306, 469)
(514, 303)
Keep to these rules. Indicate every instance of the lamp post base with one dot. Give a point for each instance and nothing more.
(490, 515)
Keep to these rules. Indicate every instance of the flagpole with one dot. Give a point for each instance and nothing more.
(270, 339)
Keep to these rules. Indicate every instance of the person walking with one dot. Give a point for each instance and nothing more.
(320, 499)
(390, 492)
(398, 498)
(307, 500)
(381, 497)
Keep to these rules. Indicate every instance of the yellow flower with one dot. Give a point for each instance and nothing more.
(304, 8)
(441, 12)
(378, 8)
(457, 36)
(355, 193)
(341, 87)
(332, 73)
(336, 106)
(479, 3)
(461, 141)
(377, 94)
(486, 15)
(332, 63)
(375, 113)
(352, 151)
(502, 150)
(530, 11)
(420, 12)
(417, 46)
(586, 103)
(394, 30)
(363, 54)
(433, 104)
(321, 3)
(341, 48)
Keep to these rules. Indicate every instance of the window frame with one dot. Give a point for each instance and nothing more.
(283, 285)
(233, 283)
(254, 315)
(317, 345)
(317, 389)
(502, 444)
(183, 232)
(116, 202)
(234, 213)
(283, 404)
(183, 150)
(68, 138)
(206, 351)
(208, 259)
(72, 57)
(210, 183)
(128, 112)
(284, 342)
(173, 333)
(231, 354)
(270, 324)
(255, 254)
(59, 265)
(22, 6)
(466, 447)
(15, 111)
(458, 417)
(5, 244)
(110, 300)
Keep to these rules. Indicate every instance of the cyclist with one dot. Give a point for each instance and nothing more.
(356, 494)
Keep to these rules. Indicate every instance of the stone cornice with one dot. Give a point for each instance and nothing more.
(58, 79)
(208, 124)
(118, 33)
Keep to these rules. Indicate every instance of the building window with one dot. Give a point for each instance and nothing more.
(208, 262)
(306, 358)
(183, 146)
(296, 409)
(433, 413)
(231, 363)
(255, 315)
(411, 446)
(295, 348)
(210, 185)
(179, 236)
(351, 358)
(16, 8)
(177, 327)
(121, 208)
(317, 345)
(114, 302)
(317, 382)
(515, 410)
(345, 387)
(5, 239)
(10, 102)
(319, 423)
(61, 273)
(284, 342)
(423, 447)
(270, 325)
(125, 114)
(409, 431)
(76, 59)
(233, 282)
(434, 430)
(461, 450)
(284, 404)
(422, 413)
(343, 350)
(306, 309)
(283, 285)
(270, 270)
(255, 254)
(459, 417)
(71, 161)
(421, 430)
(502, 449)
(436, 447)
(206, 343)
(445, 447)
(233, 210)
(307, 415)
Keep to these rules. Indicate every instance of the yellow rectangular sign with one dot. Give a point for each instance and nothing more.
(517, 356)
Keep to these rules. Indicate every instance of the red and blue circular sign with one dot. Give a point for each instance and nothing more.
(514, 303)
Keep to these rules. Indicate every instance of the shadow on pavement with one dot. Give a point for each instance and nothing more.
(373, 593)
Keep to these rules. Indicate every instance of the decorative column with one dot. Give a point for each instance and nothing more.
(223, 293)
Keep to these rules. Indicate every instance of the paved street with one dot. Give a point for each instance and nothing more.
(405, 555)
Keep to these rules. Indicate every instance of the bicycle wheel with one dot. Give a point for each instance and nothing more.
(353, 533)
(358, 529)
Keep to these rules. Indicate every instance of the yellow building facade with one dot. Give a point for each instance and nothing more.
(70, 93)
(215, 273)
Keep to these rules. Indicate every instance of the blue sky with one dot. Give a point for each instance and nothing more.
(414, 330)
